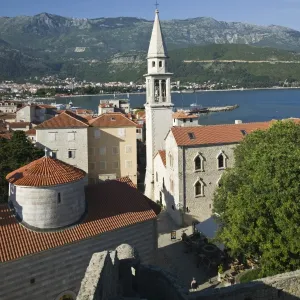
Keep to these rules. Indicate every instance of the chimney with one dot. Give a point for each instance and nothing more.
(238, 122)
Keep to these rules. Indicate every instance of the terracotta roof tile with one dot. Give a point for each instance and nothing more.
(67, 119)
(184, 115)
(127, 180)
(111, 205)
(31, 131)
(217, 134)
(6, 135)
(112, 120)
(162, 154)
(45, 171)
(18, 124)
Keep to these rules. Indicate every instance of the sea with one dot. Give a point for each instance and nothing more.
(254, 105)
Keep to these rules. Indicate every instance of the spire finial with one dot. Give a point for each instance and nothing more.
(46, 152)
(156, 5)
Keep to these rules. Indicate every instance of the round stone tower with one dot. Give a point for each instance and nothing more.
(47, 194)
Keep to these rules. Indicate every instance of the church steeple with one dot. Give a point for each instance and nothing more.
(157, 47)
(158, 107)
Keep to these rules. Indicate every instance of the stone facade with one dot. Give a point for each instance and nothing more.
(51, 274)
(35, 114)
(69, 145)
(8, 106)
(181, 178)
(112, 153)
(49, 207)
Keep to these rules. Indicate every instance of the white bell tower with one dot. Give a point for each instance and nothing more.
(158, 107)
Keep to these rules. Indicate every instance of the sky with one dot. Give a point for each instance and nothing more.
(261, 12)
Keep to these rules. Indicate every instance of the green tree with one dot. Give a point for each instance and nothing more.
(259, 199)
(15, 153)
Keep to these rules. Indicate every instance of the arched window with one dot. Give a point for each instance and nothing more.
(153, 64)
(221, 161)
(160, 63)
(198, 163)
(199, 188)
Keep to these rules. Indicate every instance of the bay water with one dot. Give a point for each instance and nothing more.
(254, 105)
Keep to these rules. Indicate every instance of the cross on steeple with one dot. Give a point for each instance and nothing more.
(156, 4)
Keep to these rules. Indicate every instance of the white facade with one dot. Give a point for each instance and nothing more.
(8, 107)
(69, 145)
(158, 107)
(49, 207)
(185, 122)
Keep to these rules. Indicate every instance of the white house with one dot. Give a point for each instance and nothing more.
(66, 137)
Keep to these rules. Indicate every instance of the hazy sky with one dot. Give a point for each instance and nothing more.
(264, 12)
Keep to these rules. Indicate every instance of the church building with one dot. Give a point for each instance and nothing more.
(158, 107)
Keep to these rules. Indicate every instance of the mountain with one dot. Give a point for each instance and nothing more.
(52, 36)
(115, 48)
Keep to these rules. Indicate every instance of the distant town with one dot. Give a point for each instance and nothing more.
(52, 86)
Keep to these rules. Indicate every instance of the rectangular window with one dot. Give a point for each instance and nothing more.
(102, 150)
(102, 165)
(191, 135)
(52, 136)
(191, 120)
(160, 63)
(58, 198)
(71, 136)
(71, 153)
(184, 120)
(128, 164)
(128, 149)
(115, 165)
(115, 150)
(91, 151)
(54, 154)
(122, 132)
(97, 133)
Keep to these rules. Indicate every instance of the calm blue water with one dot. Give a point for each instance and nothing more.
(258, 105)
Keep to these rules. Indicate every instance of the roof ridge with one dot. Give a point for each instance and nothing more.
(67, 113)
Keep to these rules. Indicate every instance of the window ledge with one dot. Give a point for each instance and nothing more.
(224, 168)
(199, 196)
(197, 171)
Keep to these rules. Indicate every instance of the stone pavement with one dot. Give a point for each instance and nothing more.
(171, 255)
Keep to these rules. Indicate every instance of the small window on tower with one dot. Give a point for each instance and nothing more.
(160, 64)
(153, 64)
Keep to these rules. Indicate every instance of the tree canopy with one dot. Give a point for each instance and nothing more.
(15, 153)
(259, 199)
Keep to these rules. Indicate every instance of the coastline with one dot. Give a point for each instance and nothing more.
(174, 92)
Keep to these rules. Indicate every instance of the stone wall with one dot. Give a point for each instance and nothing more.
(284, 286)
(39, 206)
(101, 278)
(48, 274)
(200, 207)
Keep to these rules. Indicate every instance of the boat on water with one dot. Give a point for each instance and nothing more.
(194, 105)
(188, 91)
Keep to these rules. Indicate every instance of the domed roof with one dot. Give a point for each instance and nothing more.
(45, 171)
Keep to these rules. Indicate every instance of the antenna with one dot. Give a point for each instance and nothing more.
(156, 5)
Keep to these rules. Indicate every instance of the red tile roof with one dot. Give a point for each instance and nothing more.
(127, 180)
(215, 134)
(67, 119)
(184, 115)
(162, 154)
(31, 131)
(112, 120)
(111, 205)
(45, 171)
(18, 124)
(6, 135)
